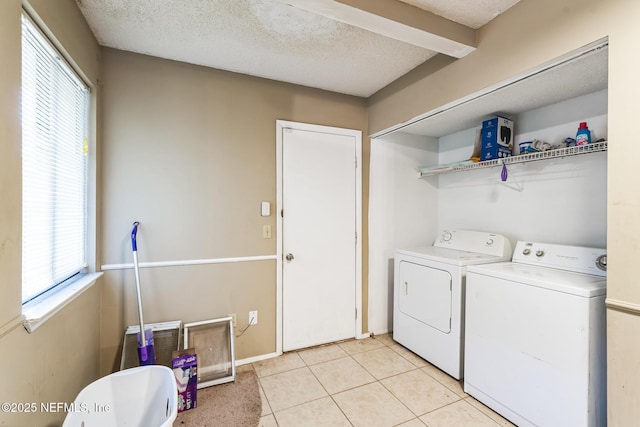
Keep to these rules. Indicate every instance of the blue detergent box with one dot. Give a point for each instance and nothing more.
(185, 369)
(497, 138)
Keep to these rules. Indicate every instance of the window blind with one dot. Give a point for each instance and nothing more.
(55, 105)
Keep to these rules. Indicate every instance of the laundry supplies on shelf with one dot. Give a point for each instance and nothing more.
(497, 138)
(583, 136)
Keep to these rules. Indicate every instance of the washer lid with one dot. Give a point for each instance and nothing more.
(584, 285)
(451, 256)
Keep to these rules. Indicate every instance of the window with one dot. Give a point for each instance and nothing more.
(55, 111)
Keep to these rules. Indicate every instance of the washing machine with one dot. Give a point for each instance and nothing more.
(535, 343)
(429, 284)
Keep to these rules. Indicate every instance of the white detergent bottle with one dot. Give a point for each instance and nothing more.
(583, 137)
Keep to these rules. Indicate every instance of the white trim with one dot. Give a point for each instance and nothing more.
(11, 325)
(254, 359)
(268, 356)
(280, 126)
(625, 306)
(42, 309)
(188, 262)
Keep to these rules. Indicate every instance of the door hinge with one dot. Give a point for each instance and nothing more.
(356, 163)
(356, 313)
(281, 213)
(356, 237)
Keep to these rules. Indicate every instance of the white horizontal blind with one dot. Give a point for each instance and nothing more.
(55, 104)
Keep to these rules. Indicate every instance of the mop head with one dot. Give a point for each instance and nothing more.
(146, 353)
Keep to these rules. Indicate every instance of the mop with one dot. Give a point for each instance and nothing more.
(146, 353)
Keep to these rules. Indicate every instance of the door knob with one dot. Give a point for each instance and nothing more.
(289, 257)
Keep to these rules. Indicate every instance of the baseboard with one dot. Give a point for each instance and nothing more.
(276, 354)
(256, 359)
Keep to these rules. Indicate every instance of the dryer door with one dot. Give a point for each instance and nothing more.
(425, 294)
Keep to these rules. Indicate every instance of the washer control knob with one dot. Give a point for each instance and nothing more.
(539, 253)
(446, 236)
(601, 262)
(526, 251)
(489, 242)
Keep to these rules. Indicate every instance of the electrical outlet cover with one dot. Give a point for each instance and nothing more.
(253, 317)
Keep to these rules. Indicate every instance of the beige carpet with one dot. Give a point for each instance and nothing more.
(235, 404)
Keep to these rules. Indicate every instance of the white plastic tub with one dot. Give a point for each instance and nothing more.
(138, 397)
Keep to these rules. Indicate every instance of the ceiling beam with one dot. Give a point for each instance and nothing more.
(397, 20)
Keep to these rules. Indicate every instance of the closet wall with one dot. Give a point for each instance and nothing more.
(561, 200)
(402, 211)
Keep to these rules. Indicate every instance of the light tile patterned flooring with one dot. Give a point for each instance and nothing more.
(369, 382)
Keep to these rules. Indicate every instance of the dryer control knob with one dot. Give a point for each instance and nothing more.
(539, 253)
(527, 251)
(489, 242)
(446, 236)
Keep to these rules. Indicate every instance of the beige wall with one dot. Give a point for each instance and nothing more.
(623, 210)
(532, 33)
(190, 153)
(54, 362)
(10, 158)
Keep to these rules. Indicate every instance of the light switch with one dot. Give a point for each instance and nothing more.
(266, 231)
(265, 209)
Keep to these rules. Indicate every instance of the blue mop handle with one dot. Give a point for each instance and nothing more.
(134, 246)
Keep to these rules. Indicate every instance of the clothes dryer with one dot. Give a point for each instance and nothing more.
(535, 346)
(429, 285)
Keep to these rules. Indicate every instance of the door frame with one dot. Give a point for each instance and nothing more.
(280, 126)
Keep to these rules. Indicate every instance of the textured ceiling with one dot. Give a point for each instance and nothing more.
(304, 44)
(472, 13)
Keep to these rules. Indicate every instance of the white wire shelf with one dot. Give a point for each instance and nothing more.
(523, 158)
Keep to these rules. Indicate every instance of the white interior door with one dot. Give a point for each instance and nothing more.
(319, 225)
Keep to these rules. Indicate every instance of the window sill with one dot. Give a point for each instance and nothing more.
(39, 311)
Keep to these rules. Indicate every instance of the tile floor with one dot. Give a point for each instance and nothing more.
(370, 382)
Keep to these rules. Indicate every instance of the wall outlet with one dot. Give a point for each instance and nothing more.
(253, 317)
(234, 318)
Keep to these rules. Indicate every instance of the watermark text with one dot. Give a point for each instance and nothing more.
(53, 407)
